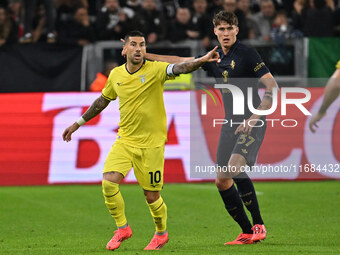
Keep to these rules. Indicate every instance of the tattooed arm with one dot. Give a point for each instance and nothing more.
(270, 84)
(266, 103)
(193, 64)
(163, 58)
(182, 64)
(166, 58)
(97, 106)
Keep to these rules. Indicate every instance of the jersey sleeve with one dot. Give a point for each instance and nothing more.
(337, 66)
(108, 91)
(164, 70)
(255, 63)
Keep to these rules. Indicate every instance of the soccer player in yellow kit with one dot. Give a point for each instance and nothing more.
(142, 133)
(332, 91)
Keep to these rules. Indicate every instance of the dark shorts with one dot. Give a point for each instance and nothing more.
(246, 145)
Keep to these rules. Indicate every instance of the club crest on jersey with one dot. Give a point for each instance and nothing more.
(225, 75)
(142, 78)
(232, 64)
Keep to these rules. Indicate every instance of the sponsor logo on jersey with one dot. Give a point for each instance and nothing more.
(244, 151)
(258, 66)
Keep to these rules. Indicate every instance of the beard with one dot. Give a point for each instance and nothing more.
(136, 61)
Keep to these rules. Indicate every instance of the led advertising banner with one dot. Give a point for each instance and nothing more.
(32, 151)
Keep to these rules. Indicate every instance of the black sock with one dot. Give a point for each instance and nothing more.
(247, 193)
(234, 206)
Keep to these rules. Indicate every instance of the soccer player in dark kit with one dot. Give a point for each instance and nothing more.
(239, 143)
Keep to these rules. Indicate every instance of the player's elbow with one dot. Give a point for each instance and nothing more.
(178, 69)
(333, 85)
(334, 82)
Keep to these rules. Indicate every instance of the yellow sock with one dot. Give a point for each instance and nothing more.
(159, 213)
(114, 202)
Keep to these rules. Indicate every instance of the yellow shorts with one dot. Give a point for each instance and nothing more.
(148, 164)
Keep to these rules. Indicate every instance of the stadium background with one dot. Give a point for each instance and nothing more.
(46, 86)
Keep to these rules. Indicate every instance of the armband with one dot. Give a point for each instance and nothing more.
(170, 70)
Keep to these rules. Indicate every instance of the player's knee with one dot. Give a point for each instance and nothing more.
(109, 188)
(223, 183)
(151, 196)
(236, 162)
(235, 168)
(114, 177)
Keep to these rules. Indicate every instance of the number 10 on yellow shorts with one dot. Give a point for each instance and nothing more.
(148, 164)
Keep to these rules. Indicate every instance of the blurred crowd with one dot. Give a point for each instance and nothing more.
(85, 21)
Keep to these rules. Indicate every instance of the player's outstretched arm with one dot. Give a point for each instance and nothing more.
(97, 106)
(163, 58)
(194, 64)
(266, 103)
(166, 58)
(332, 91)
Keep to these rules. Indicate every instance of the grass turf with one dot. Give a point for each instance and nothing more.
(301, 218)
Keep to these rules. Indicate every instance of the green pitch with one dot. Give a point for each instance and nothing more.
(301, 218)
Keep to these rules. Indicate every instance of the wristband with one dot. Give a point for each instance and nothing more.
(81, 121)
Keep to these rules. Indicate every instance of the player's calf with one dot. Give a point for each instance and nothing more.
(114, 202)
(158, 211)
(223, 183)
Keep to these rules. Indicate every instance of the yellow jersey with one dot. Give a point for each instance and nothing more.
(141, 105)
(338, 65)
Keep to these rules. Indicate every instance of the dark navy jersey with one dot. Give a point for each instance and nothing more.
(241, 66)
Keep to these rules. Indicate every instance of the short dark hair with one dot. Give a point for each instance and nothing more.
(133, 33)
(224, 16)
